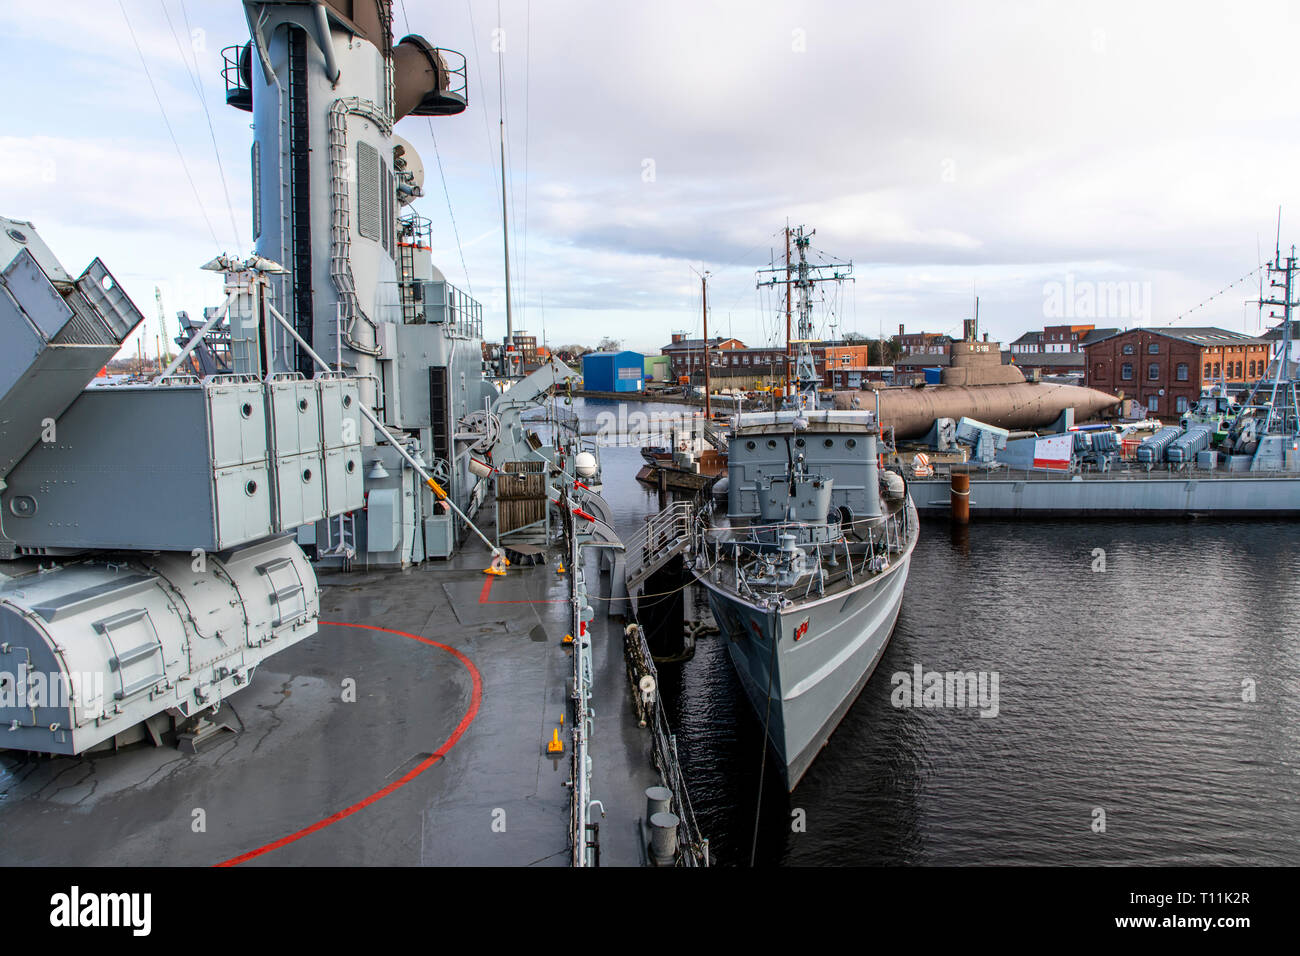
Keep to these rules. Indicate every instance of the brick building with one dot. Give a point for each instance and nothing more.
(844, 364)
(687, 355)
(1166, 369)
(923, 343)
(1049, 363)
(765, 365)
(1059, 339)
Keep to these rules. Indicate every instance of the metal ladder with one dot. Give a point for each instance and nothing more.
(664, 536)
(715, 435)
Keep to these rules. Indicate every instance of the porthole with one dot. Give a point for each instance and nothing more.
(750, 445)
(771, 443)
(250, 489)
(350, 467)
(246, 410)
(16, 235)
(799, 442)
(851, 443)
(306, 475)
(302, 405)
(347, 401)
(829, 444)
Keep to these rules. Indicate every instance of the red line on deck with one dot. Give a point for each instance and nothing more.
(475, 699)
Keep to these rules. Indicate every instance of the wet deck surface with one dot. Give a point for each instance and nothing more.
(306, 755)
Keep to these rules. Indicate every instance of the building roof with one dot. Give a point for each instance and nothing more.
(929, 336)
(1275, 333)
(1206, 336)
(1050, 359)
(1096, 335)
(622, 353)
(714, 342)
(1029, 338)
(924, 360)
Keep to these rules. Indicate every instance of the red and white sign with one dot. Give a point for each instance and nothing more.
(1053, 452)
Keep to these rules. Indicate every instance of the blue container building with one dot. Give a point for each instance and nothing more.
(613, 371)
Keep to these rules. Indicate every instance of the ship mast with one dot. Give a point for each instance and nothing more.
(807, 275)
(1284, 419)
(785, 385)
(505, 240)
(704, 290)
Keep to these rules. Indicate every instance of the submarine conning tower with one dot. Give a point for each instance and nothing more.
(326, 83)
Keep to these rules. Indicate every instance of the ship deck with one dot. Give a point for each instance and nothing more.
(460, 678)
(1125, 493)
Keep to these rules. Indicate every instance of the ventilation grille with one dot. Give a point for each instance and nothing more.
(257, 191)
(369, 218)
(386, 203)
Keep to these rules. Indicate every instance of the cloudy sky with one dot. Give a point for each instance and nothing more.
(1031, 153)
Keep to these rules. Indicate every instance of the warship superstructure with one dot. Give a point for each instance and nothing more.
(806, 573)
(347, 363)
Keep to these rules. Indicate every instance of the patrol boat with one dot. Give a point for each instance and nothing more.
(806, 574)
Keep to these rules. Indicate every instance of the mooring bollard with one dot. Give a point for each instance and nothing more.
(663, 838)
(657, 800)
(960, 497)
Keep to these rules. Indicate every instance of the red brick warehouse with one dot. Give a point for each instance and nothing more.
(1166, 369)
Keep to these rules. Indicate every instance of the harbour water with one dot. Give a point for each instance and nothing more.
(1147, 713)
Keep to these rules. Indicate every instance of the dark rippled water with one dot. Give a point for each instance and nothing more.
(1120, 691)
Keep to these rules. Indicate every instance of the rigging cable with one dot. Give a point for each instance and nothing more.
(1221, 291)
(507, 176)
(487, 131)
(170, 132)
(528, 61)
(203, 101)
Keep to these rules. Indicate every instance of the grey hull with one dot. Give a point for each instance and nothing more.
(1164, 496)
(818, 676)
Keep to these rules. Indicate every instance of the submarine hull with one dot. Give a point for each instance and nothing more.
(1023, 405)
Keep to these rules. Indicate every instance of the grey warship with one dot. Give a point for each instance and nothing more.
(806, 574)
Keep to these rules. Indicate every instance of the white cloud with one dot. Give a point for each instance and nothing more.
(940, 145)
